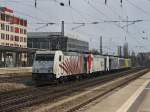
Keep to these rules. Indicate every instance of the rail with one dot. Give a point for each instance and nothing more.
(32, 96)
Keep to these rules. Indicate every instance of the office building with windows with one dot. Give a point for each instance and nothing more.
(56, 41)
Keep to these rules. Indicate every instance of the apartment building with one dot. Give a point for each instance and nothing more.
(13, 29)
(13, 34)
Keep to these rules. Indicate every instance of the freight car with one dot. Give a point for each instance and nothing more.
(113, 63)
(52, 66)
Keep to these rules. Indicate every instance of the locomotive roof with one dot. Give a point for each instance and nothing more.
(45, 52)
(73, 53)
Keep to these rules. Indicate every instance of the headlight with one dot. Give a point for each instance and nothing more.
(35, 71)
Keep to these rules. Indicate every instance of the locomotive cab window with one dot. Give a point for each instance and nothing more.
(59, 58)
(45, 57)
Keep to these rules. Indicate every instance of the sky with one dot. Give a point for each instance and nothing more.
(88, 11)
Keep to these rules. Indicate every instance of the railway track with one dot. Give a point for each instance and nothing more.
(22, 92)
(28, 97)
(19, 93)
(81, 102)
(13, 79)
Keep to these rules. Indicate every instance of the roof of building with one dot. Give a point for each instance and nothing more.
(42, 34)
(48, 34)
(6, 9)
(144, 53)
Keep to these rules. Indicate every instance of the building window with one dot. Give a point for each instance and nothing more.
(2, 36)
(21, 39)
(16, 20)
(25, 39)
(3, 17)
(36, 45)
(25, 55)
(11, 44)
(21, 22)
(7, 37)
(16, 38)
(3, 26)
(30, 44)
(7, 44)
(7, 27)
(12, 29)
(25, 31)
(16, 30)
(11, 37)
(16, 45)
(44, 45)
(20, 31)
(25, 22)
(8, 18)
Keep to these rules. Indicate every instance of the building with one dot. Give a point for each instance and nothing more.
(126, 50)
(119, 51)
(13, 30)
(55, 41)
(144, 59)
(13, 33)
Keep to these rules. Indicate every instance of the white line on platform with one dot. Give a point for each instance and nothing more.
(131, 100)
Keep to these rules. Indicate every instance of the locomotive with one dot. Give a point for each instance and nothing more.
(49, 66)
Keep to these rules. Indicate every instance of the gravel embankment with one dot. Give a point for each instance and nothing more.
(9, 82)
(11, 86)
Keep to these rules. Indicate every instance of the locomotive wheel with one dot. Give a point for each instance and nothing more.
(78, 77)
(61, 80)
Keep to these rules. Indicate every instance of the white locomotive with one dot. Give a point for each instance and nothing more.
(53, 65)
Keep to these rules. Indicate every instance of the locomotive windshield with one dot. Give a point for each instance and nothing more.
(44, 57)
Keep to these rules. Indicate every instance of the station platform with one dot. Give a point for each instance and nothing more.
(135, 97)
(12, 70)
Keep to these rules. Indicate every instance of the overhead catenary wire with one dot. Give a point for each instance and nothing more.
(137, 7)
(114, 22)
(133, 22)
(25, 14)
(140, 9)
(105, 16)
(121, 2)
(97, 10)
(81, 16)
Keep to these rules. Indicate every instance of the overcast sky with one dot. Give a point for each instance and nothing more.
(87, 11)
